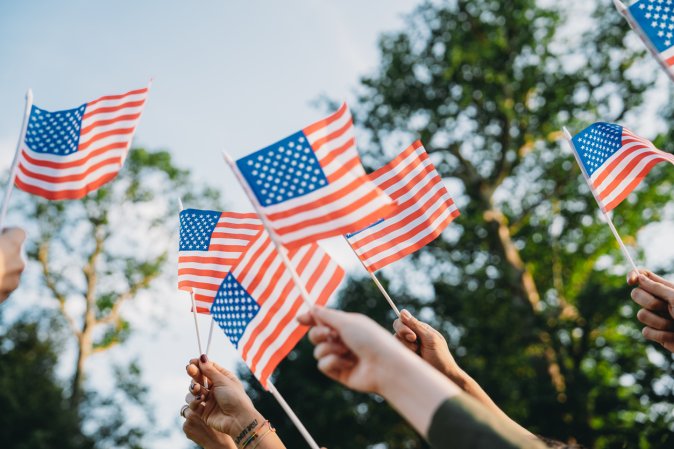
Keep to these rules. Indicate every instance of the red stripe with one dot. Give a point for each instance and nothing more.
(205, 260)
(392, 166)
(332, 155)
(117, 97)
(71, 164)
(200, 285)
(108, 109)
(202, 273)
(631, 186)
(615, 162)
(410, 249)
(112, 132)
(335, 214)
(326, 121)
(121, 118)
(73, 194)
(116, 161)
(624, 173)
(348, 167)
(339, 132)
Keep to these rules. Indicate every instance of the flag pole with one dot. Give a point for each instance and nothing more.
(15, 163)
(376, 281)
(194, 308)
(607, 217)
(293, 417)
(210, 336)
(279, 248)
(625, 12)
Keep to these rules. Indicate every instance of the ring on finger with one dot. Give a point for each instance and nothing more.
(183, 409)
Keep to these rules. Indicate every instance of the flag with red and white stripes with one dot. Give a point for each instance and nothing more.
(423, 210)
(311, 185)
(615, 160)
(210, 244)
(257, 303)
(67, 154)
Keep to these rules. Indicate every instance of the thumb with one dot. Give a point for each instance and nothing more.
(418, 327)
(335, 319)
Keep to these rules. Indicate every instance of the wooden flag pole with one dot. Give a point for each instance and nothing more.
(194, 308)
(293, 417)
(15, 163)
(607, 217)
(376, 281)
(279, 248)
(625, 12)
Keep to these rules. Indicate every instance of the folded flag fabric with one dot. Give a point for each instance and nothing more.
(654, 22)
(67, 154)
(211, 243)
(311, 185)
(423, 210)
(615, 160)
(257, 303)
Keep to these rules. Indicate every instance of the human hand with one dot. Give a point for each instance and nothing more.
(423, 339)
(656, 297)
(351, 348)
(196, 429)
(11, 262)
(224, 406)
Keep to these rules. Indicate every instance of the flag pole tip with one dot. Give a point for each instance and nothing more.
(566, 132)
(227, 157)
(180, 204)
(620, 6)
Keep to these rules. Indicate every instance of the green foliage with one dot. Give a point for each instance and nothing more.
(528, 284)
(35, 412)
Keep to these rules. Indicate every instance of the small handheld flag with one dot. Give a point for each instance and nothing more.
(653, 20)
(423, 210)
(211, 243)
(615, 160)
(67, 154)
(311, 185)
(256, 304)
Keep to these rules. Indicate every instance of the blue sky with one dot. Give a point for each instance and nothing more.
(233, 75)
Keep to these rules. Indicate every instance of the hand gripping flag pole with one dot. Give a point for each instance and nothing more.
(15, 163)
(194, 314)
(607, 217)
(279, 248)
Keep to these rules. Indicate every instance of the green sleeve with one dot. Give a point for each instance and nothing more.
(463, 423)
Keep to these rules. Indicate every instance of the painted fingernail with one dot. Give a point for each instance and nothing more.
(203, 358)
(198, 397)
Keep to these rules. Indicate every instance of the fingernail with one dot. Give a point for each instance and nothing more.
(198, 397)
(203, 358)
(405, 314)
(187, 367)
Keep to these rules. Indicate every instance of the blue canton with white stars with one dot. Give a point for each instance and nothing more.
(656, 19)
(596, 143)
(233, 308)
(285, 170)
(54, 132)
(196, 228)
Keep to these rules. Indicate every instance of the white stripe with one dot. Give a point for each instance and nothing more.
(343, 159)
(116, 102)
(412, 240)
(111, 115)
(400, 167)
(419, 205)
(246, 269)
(203, 305)
(301, 200)
(667, 54)
(618, 169)
(604, 166)
(210, 254)
(229, 242)
(203, 266)
(202, 279)
(73, 185)
(94, 132)
(631, 176)
(326, 208)
(115, 155)
(343, 221)
(240, 221)
(320, 133)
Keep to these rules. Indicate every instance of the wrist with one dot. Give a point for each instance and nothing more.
(245, 424)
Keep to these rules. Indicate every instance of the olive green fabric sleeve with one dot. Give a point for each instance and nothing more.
(463, 423)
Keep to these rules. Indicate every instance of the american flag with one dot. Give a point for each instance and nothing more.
(615, 160)
(210, 244)
(654, 22)
(423, 210)
(311, 185)
(67, 154)
(257, 303)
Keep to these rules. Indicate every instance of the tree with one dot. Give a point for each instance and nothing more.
(528, 284)
(31, 394)
(101, 252)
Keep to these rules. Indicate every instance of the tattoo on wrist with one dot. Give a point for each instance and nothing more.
(246, 430)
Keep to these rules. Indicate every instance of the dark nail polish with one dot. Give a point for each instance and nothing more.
(203, 358)
(198, 397)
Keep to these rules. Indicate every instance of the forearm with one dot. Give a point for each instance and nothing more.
(472, 388)
(256, 432)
